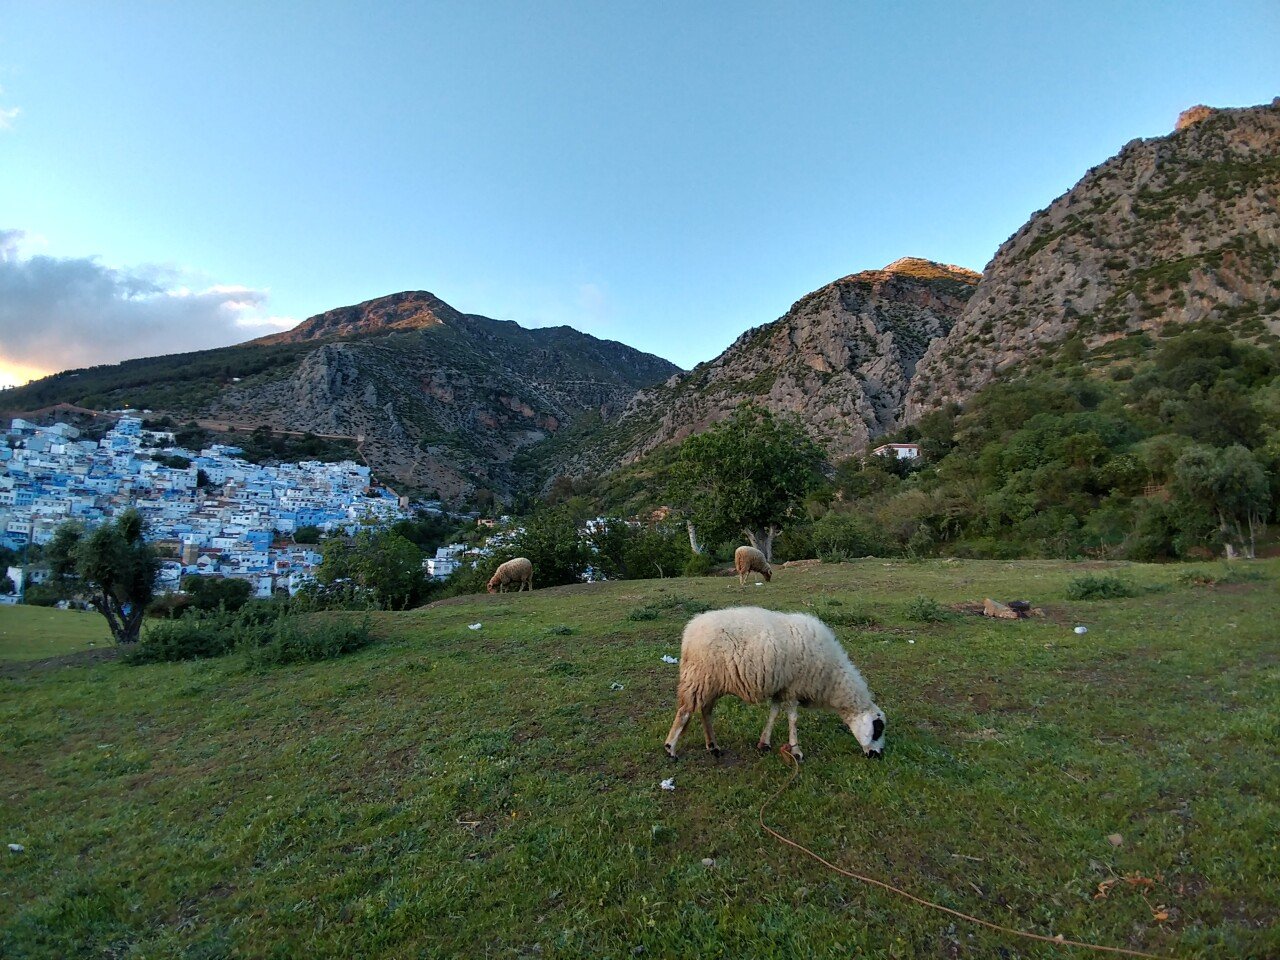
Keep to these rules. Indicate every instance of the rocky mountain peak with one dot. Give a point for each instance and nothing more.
(840, 359)
(1193, 115)
(409, 310)
(1172, 230)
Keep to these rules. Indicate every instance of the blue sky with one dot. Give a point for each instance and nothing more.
(178, 175)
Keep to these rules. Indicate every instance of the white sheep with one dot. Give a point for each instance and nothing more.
(750, 560)
(758, 655)
(518, 570)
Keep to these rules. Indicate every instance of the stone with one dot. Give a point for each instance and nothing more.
(994, 608)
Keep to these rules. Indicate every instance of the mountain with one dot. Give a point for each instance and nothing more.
(840, 359)
(437, 399)
(1173, 230)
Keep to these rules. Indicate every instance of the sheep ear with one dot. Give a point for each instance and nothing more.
(877, 729)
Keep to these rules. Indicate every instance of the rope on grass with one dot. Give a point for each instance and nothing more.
(1058, 940)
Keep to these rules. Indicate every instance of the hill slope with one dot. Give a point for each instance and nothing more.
(1175, 229)
(840, 359)
(440, 399)
(495, 779)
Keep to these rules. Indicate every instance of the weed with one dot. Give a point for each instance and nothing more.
(1102, 586)
(924, 609)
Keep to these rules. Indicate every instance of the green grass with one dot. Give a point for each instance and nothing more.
(449, 792)
(33, 633)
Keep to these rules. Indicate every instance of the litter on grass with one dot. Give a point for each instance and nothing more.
(615, 685)
(1082, 629)
(473, 626)
(18, 848)
(668, 658)
(668, 784)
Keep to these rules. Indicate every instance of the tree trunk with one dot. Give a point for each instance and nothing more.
(762, 540)
(693, 537)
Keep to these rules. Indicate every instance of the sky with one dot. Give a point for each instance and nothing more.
(180, 176)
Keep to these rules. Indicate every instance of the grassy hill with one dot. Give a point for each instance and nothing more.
(35, 633)
(486, 792)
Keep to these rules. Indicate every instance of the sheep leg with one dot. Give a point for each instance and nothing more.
(793, 708)
(766, 735)
(712, 746)
(683, 713)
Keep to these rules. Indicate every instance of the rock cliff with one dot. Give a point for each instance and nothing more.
(1175, 229)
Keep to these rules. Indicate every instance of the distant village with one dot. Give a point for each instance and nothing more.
(217, 516)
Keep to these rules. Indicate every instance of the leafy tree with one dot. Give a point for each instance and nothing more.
(214, 593)
(6, 585)
(553, 545)
(631, 552)
(383, 563)
(748, 473)
(306, 534)
(115, 567)
(1232, 484)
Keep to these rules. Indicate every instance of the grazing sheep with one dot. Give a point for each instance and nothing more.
(750, 560)
(518, 571)
(784, 658)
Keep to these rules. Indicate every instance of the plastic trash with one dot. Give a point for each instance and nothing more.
(18, 848)
(1082, 629)
(668, 784)
(615, 685)
(473, 626)
(668, 658)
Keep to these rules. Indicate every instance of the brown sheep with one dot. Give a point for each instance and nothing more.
(518, 571)
(750, 560)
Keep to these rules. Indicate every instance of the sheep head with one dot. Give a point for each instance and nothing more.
(868, 727)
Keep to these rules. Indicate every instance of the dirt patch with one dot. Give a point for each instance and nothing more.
(82, 658)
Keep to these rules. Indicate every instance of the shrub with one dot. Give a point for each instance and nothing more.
(295, 641)
(842, 618)
(698, 565)
(195, 636)
(560, 630)
(926, 610)
(1099, 587)
(643, 613)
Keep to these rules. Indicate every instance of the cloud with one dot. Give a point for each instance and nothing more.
(60, 313)
(8, 115)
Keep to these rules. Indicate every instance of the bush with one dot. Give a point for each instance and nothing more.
(926, 610)
(1100, 587)
(195, 636)
(698, 565)
(292, 641)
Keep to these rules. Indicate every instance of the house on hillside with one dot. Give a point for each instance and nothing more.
(899, 451)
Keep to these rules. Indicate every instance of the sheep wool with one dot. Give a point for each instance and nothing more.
(784, 659)
(518, 570)
(750, 560)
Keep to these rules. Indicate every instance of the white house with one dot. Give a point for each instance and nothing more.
(899, 451)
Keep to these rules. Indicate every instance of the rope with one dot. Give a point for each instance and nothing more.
(1059, 940)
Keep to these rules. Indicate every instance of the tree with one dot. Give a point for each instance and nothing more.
(748, 473)
(214, 593)
(551, 542)
(306, 534)
(383, 563)
(113, 565)
(1232, 484)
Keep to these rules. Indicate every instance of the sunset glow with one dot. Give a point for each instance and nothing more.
(14, 374)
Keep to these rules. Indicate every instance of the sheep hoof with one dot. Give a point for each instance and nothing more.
(792, 751)
(671, 752)
(764, 746)
(715, 750)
